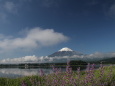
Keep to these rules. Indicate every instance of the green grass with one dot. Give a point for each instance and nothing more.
(18, 81)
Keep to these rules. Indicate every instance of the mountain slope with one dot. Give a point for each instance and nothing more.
(65, 52)
(108, 60)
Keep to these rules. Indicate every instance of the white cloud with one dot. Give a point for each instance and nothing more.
(34, 38)
(10, 7)
(86, 57)
(20, 60)
(7, 8)
(45, 59)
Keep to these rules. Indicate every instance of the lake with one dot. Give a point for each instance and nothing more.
(18, 72)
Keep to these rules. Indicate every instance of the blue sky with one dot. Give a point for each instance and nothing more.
(41, 27)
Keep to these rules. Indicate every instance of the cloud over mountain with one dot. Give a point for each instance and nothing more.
(46, 59)
(34, 38)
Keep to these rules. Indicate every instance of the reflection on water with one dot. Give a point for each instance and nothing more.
(15, 72)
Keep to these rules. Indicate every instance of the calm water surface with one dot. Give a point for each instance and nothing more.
(17, 72)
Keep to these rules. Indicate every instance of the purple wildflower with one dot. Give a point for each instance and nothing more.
(41, 72)
(23, 83)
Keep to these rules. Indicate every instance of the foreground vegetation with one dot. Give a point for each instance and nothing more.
(104, 76)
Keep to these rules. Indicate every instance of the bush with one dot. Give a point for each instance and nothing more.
(76, 62)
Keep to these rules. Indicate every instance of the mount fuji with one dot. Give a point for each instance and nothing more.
(65, 52)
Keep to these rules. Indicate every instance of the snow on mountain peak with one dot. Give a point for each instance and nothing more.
(65, 49)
